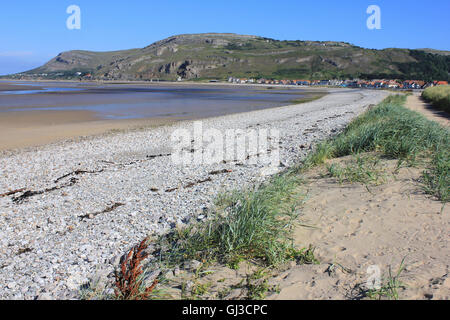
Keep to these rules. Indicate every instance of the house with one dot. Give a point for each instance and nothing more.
(413, 84)
(303, 82)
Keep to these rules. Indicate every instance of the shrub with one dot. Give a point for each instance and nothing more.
(438, 97)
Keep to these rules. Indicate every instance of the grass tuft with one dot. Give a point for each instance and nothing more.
(439, 97)
(395, 132)
(363, 169)
(256, 224)
(390, 285)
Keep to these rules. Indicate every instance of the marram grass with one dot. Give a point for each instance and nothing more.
(252, 224)
(439, 97)
(398, 133)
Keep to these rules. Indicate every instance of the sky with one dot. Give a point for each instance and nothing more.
(33, 32)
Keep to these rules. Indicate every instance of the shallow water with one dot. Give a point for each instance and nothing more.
(114, 101)
(44, 90)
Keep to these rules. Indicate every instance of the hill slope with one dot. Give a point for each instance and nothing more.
(219, 56)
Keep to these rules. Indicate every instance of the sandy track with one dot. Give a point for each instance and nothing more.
(416, 103)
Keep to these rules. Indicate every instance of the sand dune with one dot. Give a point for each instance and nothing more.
(357, 227)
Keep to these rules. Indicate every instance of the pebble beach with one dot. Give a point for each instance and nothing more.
(69, 210)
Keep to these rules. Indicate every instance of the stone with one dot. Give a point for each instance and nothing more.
(193, 265)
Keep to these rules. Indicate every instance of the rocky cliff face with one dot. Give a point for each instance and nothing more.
(211, 55)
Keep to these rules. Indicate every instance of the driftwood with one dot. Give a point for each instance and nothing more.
(24, 250)
(10, 193)
(220, 172)
(190, 185)
(109, 209)
(158, 156)
(28, 194)
(76, 173)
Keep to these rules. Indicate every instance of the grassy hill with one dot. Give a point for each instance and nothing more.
(218, 56)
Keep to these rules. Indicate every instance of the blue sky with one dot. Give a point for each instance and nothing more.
(32, 32)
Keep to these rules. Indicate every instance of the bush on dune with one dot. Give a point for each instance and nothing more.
(398, 133)
(438, 97)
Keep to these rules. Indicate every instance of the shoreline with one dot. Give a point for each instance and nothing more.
(29, 135)
(51, 252)
(176, 83)
(30, 129)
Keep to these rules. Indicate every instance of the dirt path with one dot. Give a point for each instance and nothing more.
(415, 102)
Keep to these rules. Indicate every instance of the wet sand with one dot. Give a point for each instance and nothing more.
(56, 111)
(18, 87)
(35, 128)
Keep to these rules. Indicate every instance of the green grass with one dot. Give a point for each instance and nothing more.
(395, 132)
(389, 287)
(362, 169)
(255, 224)
(438, 97)
(437, 177)
(309, 98)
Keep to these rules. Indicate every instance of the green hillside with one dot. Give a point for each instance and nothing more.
(219, 56)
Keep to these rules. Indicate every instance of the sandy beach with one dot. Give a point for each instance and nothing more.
(34, 128)
(73, 208)
(43, 112)
(16, 87)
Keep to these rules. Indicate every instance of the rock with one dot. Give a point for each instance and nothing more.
(11, 285)
(100, 280)
(151, 277)
(189, 286)
(177, 272)
(186, 220)
(75, 281)
(447, 283)
(169, 275)
(234, 294)
(44, 296)
(192, 265)
(268, 171)
(116, 260)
